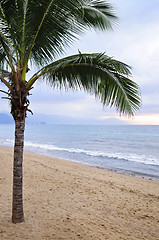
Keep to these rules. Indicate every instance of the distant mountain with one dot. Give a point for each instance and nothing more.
(65, 120)
(6, 118)
(113, 121)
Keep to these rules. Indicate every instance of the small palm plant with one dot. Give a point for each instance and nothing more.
(35, 33)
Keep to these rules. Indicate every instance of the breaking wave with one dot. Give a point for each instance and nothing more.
(112, 155)
(145, 159)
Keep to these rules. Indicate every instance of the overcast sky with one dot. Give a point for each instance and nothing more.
(134, 41)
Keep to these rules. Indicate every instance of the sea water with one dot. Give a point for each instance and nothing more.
(126, 148)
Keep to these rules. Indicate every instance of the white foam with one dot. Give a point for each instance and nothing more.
(151, 160)
(145, 159)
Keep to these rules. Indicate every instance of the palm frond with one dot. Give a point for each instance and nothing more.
(106, 78)
(99, 14)
(42, 30)
(65, 21)
(6, 56)
(10, 19)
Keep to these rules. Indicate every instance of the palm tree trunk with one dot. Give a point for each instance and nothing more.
(17, 204)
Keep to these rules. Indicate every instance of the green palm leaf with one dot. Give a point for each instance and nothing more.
(6, 50)
(97, 74)
(11, 19)
(99, 14)
(41, 30)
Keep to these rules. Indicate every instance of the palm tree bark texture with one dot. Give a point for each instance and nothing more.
(17, 202)
(19, 105)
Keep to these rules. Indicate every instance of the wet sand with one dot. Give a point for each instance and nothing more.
(67, 200)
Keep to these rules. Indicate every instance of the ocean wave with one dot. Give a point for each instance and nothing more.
(145, 159)
(150, 160)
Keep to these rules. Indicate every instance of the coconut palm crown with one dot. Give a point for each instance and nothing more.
(36, 33)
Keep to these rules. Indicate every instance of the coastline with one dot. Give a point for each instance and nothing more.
(111, 169)
(68, 200)
(129, 149)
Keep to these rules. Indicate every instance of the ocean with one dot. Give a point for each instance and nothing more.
(127, 148)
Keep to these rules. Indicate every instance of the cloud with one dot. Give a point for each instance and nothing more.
(4, 106)
(145, 119)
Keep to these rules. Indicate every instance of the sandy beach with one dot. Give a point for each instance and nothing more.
(67, 200)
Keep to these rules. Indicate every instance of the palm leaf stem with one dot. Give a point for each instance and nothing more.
(23, 31)
(98, 65)
(25, 66)
(120, 86)
(4, 92)
(6, 83)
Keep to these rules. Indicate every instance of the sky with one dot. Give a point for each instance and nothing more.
(135, 41)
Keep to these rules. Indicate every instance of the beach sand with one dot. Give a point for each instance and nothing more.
(67, 200)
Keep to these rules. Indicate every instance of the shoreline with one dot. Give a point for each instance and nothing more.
(69, 200)
(120, 171)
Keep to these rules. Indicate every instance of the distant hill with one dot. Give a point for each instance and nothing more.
(6, 118)
(56, 119)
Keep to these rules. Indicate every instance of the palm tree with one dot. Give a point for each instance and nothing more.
(35, 33)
